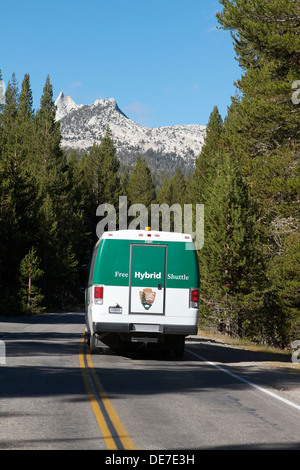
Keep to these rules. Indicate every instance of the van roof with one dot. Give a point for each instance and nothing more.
(146, 234)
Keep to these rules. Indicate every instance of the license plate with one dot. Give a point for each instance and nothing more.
(115, 310)
(147, 328)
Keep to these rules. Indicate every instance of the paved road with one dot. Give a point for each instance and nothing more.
(54, 395)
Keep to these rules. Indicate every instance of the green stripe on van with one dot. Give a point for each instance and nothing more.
(148, 265)
(182, 266)
(112, 265)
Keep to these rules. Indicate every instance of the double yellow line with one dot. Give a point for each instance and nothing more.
(112, 429)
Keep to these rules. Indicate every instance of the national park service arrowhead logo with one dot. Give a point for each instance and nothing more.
(147, 297)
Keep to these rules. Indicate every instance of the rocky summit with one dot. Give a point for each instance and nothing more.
(163, 147)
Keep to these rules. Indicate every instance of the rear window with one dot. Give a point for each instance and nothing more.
(112, 263)
(182, 266)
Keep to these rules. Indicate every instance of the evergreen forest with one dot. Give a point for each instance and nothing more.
(247, 177)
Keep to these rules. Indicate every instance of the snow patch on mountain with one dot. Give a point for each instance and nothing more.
(84, 125)
(64, 105)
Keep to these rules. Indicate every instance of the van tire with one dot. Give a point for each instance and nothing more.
(175, 346)
(93, 342)
(179, 347)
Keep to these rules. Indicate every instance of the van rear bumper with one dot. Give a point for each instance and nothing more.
(131, 328)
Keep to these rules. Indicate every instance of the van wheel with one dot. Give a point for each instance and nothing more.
(178, 350)
(175, 346)
(93, 341)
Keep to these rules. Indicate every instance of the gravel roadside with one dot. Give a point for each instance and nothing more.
(274, 371)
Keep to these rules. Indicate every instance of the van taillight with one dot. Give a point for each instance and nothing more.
(194, 298)
(98, 294)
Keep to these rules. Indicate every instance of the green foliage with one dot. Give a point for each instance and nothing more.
(249, 264)
(283, 273)
(173, 190)
(30, 293)
(208, 162)
(261, 28)
(98, 183)
(140, 185)
(229, 262)
(247, 176)
(34, 203)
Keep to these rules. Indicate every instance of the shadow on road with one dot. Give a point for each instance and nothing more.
(148, 371)
(43, 362)
(217, 351)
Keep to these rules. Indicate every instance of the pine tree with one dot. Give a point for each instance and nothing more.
(283, 274)
(17, 187)
(229, 262)
(110, 169)
(165, 193)
(8, 219)
(75, 223)
(9, 111)
(30, 293)
(173, 193)
(100, 168)
(209, 159)
(34, 204)
(178, 187)
(25, 110)
(101, 183)
(140, 191)
(28, 203)
(263, 130)
(263, 29)
(49, 164)
(267, 45)
(50, 160)
(140, 185)
(124, 183)
(173, 189)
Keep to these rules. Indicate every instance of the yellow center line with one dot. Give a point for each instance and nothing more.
(119, 427)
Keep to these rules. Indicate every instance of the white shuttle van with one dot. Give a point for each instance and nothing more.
(142, 287)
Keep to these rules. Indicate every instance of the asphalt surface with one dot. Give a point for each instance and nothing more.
(54, 395)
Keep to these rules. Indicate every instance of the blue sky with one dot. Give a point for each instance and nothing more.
(164, 61)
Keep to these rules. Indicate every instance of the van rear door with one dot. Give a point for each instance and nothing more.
(147, 278)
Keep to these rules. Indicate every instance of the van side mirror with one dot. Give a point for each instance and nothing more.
(82, 277)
